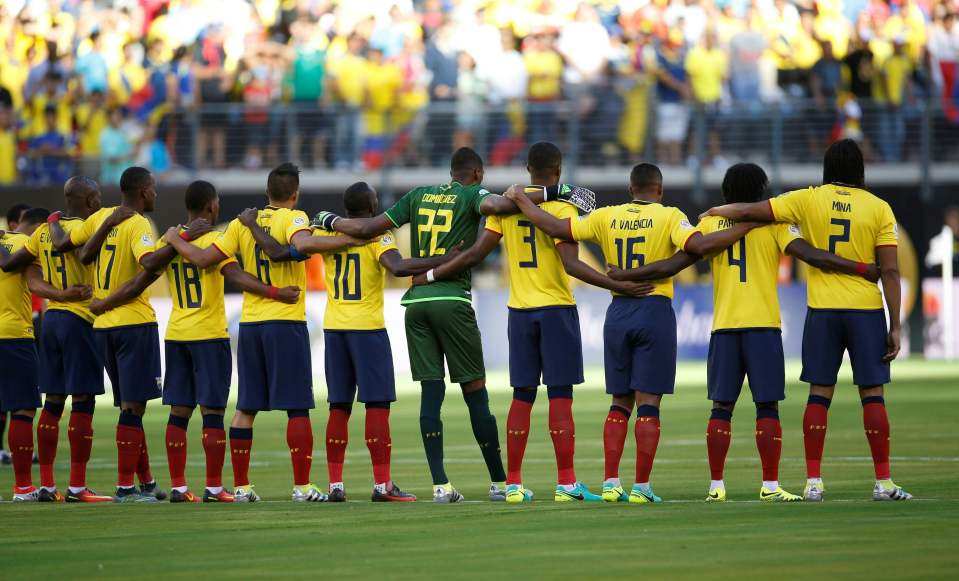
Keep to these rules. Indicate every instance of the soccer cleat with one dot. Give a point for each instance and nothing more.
(516, 494)
(337, 495)
(45, 495)
(392, 494)
(578, 492)
(614, 493)
(716, 495)
(30, 494)
(308, 493)
(87, 495)
(887, 490)
(151, 489)
(5, 458)
(778, 495)
(446, 494)
(131, 494)
(814, 491)
(496, 492)
(245, 494)
(222, 496)
(177, 496)
(640, 495)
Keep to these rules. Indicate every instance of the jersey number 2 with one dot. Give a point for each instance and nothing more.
(843, 236)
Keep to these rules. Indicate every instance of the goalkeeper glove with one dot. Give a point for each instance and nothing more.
(324, 221)
(582, 198)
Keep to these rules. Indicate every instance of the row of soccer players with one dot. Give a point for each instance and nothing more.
(273, 354)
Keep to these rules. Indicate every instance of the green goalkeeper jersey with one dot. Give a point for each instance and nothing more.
(440, 217)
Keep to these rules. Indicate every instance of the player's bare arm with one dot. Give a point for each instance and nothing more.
(275, 251)
(461, 261)
(742, 212)
(569, 254)
(708, 244)
(43, 289)
(127, 292)
(398, 266)
(655, 270)
(60, 238)
(88, 253)
(306, 243)
(361, 228)
(824, 260)
(202, 257)
(546, 222)
(14, 262)
(250, 284)
(892, 290)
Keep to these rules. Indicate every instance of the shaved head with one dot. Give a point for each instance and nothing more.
(80, 186)
(82, 196)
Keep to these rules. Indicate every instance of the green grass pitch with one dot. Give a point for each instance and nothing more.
(847, 536)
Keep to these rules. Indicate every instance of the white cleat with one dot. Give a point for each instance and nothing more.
(497, 493)
(27, 496)
(887, 490)
(245, 494)
(446, 494)
(308, 493)
(813, 492)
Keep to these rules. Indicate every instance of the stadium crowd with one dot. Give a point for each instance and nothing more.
(92, 87)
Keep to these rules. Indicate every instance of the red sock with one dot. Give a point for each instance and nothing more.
(143, 462)
(129, 448)
(614, 439)
(337, 436)
(814, 434)
(176, 450)
(20, 438)
(241, 442)
(80, 433)
(214, 448)
(563, 432)
(379, 443)
(517, 434)
(769, 441)
(647, 440)
(718, 434)
(48, 435)
(299, 437)
(876, 423)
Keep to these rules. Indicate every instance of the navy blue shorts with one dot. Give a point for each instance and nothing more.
(131, 356)
(198, 372)
(18, 375)
(358, 359)
(273, 361)
(639, 340)
(753, 353)
(70, 363)
(829, 333)
(545, 343)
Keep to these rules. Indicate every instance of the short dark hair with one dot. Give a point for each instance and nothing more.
(465, 159)
(133, 179)
(356, 198)
(843, 164)
(283, 182)
(744, 182)
(199, 194)
(645, 175)
(543, 156)
(15, 211)
(34, 216)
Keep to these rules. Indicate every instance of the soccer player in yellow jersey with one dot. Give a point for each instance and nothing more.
(542, 314)
(845, 311)
(70, 364)
(639, 335)
(273, 351)
(747, 336)
(197, 347)
(121, 242)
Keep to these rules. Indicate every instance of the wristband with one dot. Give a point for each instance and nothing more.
(430, 276)
(272, 292)
(185, 236)
(54, 217)
(861, 268)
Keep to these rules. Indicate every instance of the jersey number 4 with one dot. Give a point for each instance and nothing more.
(738, 262)
(429, 232)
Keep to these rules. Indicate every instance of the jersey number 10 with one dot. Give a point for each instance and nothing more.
(346, 266)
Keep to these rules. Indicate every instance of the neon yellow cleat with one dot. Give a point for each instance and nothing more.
(778, 495)
(716, 495)
(641, 495)
(516, 494)
(614, 493)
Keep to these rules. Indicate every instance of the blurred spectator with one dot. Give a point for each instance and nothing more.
(8, 148)
(441, 60)
(306, 80)
(672, 90)
(506, 77)
(471, 93)
(584, 44)
(707, 67)
(91, 119)
(348, 79)
(214, 83)
(544, 67)
(383, 82)
(257, 97)
(91, 67)
(116, 149)
(891, 89)
(50, 152)
(825, 83)
(745, 50)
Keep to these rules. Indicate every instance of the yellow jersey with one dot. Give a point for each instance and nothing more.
(62, 269)
(237, 240)
(199, 312)
(16, 310)
(745, 275)
(849, 222)
(633, 234)
(536, 274)
(354, 283)
(117, 262)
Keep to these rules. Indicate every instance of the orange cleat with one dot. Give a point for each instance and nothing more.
(87, 495)
(222, 496)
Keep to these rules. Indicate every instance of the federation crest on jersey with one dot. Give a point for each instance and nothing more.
(146, 240)
(794, 230)
(895, 230)
(387, 239)
(299, 221)
(685, 225)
